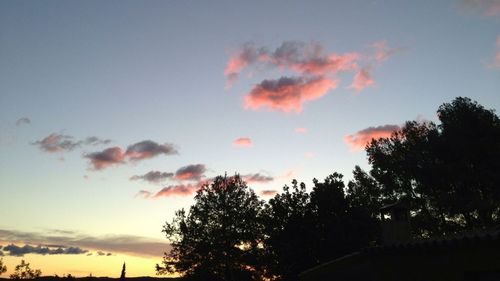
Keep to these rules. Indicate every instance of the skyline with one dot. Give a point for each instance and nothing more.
(113, 113)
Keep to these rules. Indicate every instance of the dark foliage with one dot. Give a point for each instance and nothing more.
(220, 237)
(449, 172)
(304, 230)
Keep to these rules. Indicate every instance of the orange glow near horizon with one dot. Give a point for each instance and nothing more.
(83, 265)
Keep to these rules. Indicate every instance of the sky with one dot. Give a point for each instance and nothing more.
(113, 113)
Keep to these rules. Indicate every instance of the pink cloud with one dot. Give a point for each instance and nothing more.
(108, 157)
(249, 54)
(301, 130)
(359, 140)
(383, 52)
(362, 79)
(243, 142)
(56, 143)
(190, 172)
(268, 192)
(177, 190)
(331, 64)
(488, 8)
(288, 94)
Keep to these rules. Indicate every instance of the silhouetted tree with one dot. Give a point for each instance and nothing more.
(220, 238)
(288, 229)
(449, 172)
(23, 271)
(122, 275)
(339, 226)
(3, 268)
(304, 230)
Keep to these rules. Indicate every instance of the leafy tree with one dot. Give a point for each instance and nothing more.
(3, 268)
(23, 271)
(220, 238)
(339, 226)
(304, 230)
(449, 172)
(287, 228)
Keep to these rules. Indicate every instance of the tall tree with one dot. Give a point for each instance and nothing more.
(288, 230)
(220, 237)
(306, 229)
(449, 172)
(122, 275)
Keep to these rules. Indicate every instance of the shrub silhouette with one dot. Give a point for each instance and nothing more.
(23, 271)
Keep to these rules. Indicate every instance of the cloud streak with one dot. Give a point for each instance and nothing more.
(360, 139)
(18, 251)
(59, 142)
(256, 178)
(153, 176)
(136, 152)
(134, 245)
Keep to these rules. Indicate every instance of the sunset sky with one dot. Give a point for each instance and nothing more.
(112, 113)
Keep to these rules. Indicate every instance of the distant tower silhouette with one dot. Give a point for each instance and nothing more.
(395, 223)
(122, 276)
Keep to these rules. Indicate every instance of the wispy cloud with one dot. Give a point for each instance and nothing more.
(23, 121)
(288, 94)
(144, 194)
(134, 245)
(362, 79)
(243, 142)
(177, 190)
(58, 142)
(359, 140)
(139, 151)
(153, 176)
(384, 52)
(256, 178)
(487, 8)
(14, 250)
(247, 55)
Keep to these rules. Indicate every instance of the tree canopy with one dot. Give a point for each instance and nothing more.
(220, 237)
(449, 172)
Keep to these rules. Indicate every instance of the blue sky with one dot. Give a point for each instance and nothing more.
(133, 71)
